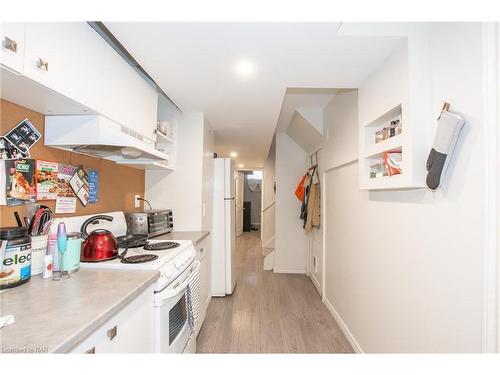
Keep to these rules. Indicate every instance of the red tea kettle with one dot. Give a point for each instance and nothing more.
(100, 244)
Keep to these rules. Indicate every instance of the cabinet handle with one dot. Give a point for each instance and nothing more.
(90, 351)
(112, 333)
(201, 249)
(10, 44)
(42, 64)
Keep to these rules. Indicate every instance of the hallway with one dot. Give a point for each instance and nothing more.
(269, 313)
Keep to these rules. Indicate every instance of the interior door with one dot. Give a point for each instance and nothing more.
(240, 179)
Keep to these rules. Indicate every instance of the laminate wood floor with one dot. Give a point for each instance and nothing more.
(268, 312)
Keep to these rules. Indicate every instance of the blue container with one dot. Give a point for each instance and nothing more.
(70, 260)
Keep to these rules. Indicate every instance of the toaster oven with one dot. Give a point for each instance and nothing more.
(152, 222)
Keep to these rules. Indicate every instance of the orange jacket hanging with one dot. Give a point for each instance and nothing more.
(300, 190)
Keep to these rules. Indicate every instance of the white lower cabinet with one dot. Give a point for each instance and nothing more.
(129, 331)
(204, 257)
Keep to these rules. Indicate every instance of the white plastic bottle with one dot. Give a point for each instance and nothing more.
(53, 251)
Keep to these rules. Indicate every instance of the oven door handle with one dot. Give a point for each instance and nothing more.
(160, 298)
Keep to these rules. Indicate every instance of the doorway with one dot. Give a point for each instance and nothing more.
(252, 195)
(240, 178)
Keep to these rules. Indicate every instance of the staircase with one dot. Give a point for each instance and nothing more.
(267, 236)
(268, 254)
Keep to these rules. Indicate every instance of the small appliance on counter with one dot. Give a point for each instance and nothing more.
(152, 222)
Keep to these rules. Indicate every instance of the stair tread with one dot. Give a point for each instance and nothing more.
(267, 250)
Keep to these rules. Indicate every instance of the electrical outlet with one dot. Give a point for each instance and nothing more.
(137, 202)
(315, 264)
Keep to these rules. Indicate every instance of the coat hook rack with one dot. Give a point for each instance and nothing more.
(314, 156)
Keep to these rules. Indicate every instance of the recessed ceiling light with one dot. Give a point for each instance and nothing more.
(233, 154)
(245, 68)
(241, 165)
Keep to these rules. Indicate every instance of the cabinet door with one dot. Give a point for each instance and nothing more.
(12, 49)
(72, 59)
(128, 98)
(130, 331)
(66, 57)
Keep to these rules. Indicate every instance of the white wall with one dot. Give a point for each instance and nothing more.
(208, 175)
(186, 189)
(403, 269)
(290, 255)
(341, 128)
(340, 146)
(268, 196)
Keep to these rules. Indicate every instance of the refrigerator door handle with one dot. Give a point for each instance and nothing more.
(229, 199)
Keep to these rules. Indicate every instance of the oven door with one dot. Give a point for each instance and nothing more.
(172, 329)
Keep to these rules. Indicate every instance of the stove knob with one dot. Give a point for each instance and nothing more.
(169, 270)
(179, 261)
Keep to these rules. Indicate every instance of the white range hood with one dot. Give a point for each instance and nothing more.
(100, 137)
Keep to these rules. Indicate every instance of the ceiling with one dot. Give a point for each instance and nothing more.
(195, 65)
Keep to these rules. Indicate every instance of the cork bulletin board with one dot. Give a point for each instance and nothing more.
(117, 184)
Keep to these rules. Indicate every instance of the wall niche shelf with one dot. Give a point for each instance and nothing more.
(168, 145)
(398, 92)
(390, 144)
(373, 148)
(163, 138)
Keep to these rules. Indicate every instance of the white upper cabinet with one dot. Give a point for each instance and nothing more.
(67, 58)
(130, 100)
(73, 60)
(12, 48)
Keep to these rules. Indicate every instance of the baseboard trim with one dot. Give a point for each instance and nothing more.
(315, 282)
(350, 337)
(302, 272)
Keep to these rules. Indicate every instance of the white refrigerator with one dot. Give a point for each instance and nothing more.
(224, 228)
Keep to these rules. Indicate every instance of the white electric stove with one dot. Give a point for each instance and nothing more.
(175, 294)
(174, 321)
(170, 262)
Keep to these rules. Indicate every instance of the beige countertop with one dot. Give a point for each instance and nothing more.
(196, 237)
(54, 316)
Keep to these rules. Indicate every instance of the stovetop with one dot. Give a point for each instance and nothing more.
(162, 245)
(159, 258)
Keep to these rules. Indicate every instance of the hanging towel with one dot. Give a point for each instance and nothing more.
(316, 214)
(313, 210)
(193, 301)
(300, 191)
